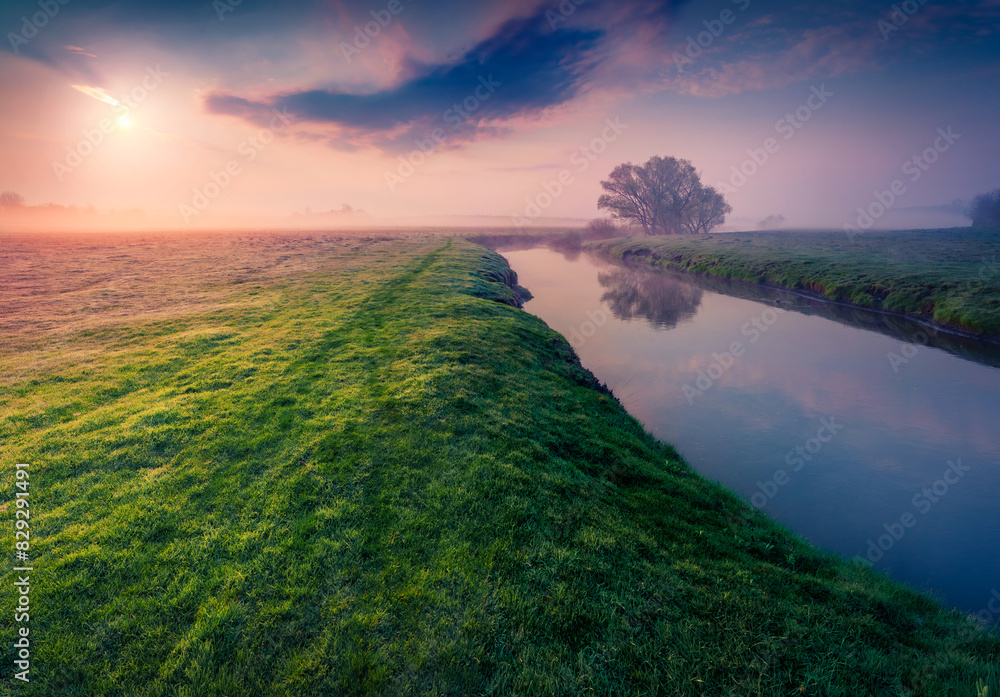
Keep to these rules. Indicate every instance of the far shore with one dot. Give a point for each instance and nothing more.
(947, 280)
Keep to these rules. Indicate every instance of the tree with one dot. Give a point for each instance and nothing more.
(771, 222)
(664, 196)
(985, 209)
(11, 199)
(708, 210)
(602, 228)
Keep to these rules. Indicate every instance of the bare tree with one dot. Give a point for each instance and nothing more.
(985, 210)
(11, 199)
(602, 227)
(629, 197)
(708, 210)
(664, 196)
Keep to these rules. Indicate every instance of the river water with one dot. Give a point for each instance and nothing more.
(869, 435)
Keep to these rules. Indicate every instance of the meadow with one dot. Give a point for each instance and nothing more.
(950, 278)
(325, 464)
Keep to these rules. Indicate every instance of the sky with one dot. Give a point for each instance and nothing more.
(193, 113)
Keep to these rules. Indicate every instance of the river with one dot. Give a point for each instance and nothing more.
(868, 435)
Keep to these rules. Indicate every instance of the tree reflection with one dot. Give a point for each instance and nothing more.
(664, 301)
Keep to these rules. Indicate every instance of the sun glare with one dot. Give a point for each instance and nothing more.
(124, 122)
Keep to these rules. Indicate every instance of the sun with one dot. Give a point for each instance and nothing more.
(124, 122)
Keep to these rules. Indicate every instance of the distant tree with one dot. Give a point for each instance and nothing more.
(985, 209)
(11, 199)
(665, 196)
(603, 227)
(771, 222)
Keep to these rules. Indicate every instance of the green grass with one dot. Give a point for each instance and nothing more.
(949, 277)
(353, 467)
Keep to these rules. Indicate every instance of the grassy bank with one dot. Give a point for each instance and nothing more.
(948, 277)
(320, 465)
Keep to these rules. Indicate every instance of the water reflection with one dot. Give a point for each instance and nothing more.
(661, 300)
(896, 326)
(907, 331)
(897, 425)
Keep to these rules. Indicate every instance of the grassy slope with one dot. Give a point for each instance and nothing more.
(949, 277)
(362, 477)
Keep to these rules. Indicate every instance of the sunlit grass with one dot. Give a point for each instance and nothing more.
(336, 466)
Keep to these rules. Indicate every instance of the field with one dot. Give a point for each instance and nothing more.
(948, 277)
(332, 465)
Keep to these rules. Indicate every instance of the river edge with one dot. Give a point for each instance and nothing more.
(650, 257)
(640, 262)
(654, 328)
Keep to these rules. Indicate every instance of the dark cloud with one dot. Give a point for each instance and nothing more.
(527, 65)
(524, 67)
(93, 15)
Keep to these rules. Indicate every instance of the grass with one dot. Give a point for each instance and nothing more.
(332, 466)
(948, 277)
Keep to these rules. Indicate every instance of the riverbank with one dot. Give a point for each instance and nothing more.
(298, 465)
(947, 278)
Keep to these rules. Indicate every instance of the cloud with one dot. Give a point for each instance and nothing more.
(525, 67)
(772, 51)
(97, 93)
(813, 54)
(79, 51)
